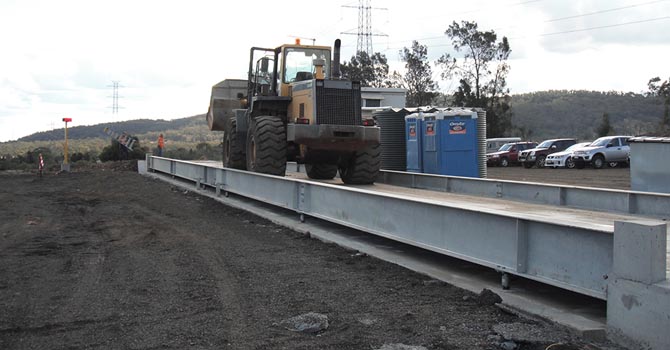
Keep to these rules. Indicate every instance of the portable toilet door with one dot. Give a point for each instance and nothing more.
(431, 143)
(459, 147)
(413, 132)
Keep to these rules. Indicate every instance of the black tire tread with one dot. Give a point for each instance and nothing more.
(594, 162)
(236, 159)
(321, 171)
(363, 166)
(270, 139)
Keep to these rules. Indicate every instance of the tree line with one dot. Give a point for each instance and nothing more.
(481, 72)
(585, 115)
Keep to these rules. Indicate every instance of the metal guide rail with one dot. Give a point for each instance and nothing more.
(573, 251)
(618, 201)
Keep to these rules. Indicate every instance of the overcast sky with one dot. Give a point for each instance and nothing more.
(59, 58)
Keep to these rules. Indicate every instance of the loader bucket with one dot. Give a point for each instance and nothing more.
(225, 99)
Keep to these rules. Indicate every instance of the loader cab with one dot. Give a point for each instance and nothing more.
(272, 71)
(298, 64)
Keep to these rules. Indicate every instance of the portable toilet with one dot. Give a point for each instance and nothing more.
(430, 143)
(413, 136)
(450, 143)
(459, 154)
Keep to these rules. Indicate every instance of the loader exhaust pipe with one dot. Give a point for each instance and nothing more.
(336, 60)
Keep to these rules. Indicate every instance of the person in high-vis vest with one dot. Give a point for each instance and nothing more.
(161, 145)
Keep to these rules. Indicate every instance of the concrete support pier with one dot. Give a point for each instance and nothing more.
(638, 293)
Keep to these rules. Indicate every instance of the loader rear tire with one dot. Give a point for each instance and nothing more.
(321, 171)
(362, 167)
(266, 146)
(233, 147)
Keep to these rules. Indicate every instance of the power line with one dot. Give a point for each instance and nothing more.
(603, 11)
(606, 26)
(565, 31)
(550, 20)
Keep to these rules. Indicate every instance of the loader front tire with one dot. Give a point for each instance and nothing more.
(266, 146)
(362, 167)
(233, 147)
(321, 171)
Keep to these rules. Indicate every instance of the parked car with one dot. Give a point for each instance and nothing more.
(535, 156)
(493, 145)
(564, 158)
(508, 154)
(608, 150)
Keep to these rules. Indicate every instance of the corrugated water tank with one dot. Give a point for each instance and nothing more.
(391, 122)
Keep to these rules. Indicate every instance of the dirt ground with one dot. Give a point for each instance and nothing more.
(616, 178)
(108, 259)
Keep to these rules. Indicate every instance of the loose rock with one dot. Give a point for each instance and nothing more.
(488, 297)
(310, 322)
(508, 345)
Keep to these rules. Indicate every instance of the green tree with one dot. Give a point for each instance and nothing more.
(662, 90)
(394, 80)
(418, 79)
(605, 127)
(369, 70)
(482, 73)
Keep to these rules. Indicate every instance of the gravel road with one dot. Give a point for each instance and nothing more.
(616, 178)
(103, 259)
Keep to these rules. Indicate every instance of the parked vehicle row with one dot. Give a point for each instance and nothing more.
(508, 154)
(536, 156)
(557, 153)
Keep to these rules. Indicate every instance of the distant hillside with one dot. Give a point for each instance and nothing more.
(176, 128)
(184, 133)
(548, 114)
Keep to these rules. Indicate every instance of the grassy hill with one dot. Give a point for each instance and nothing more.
(184, 133)
(549, 114)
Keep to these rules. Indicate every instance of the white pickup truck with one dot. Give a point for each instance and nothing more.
(608, 150)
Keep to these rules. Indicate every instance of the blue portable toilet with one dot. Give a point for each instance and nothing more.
(431, 143)
(450, 143)
(413, 132)
(459, 154)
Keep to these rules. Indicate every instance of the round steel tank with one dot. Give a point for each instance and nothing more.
(392, 132)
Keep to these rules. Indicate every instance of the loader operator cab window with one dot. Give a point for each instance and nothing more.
(299, 63)
(262, 77)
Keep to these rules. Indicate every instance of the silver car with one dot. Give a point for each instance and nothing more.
(608, 150)
(563, 158)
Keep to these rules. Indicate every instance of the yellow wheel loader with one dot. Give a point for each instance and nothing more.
(294, 106)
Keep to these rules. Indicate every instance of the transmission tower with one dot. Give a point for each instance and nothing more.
(115, 96)
(364, 33)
